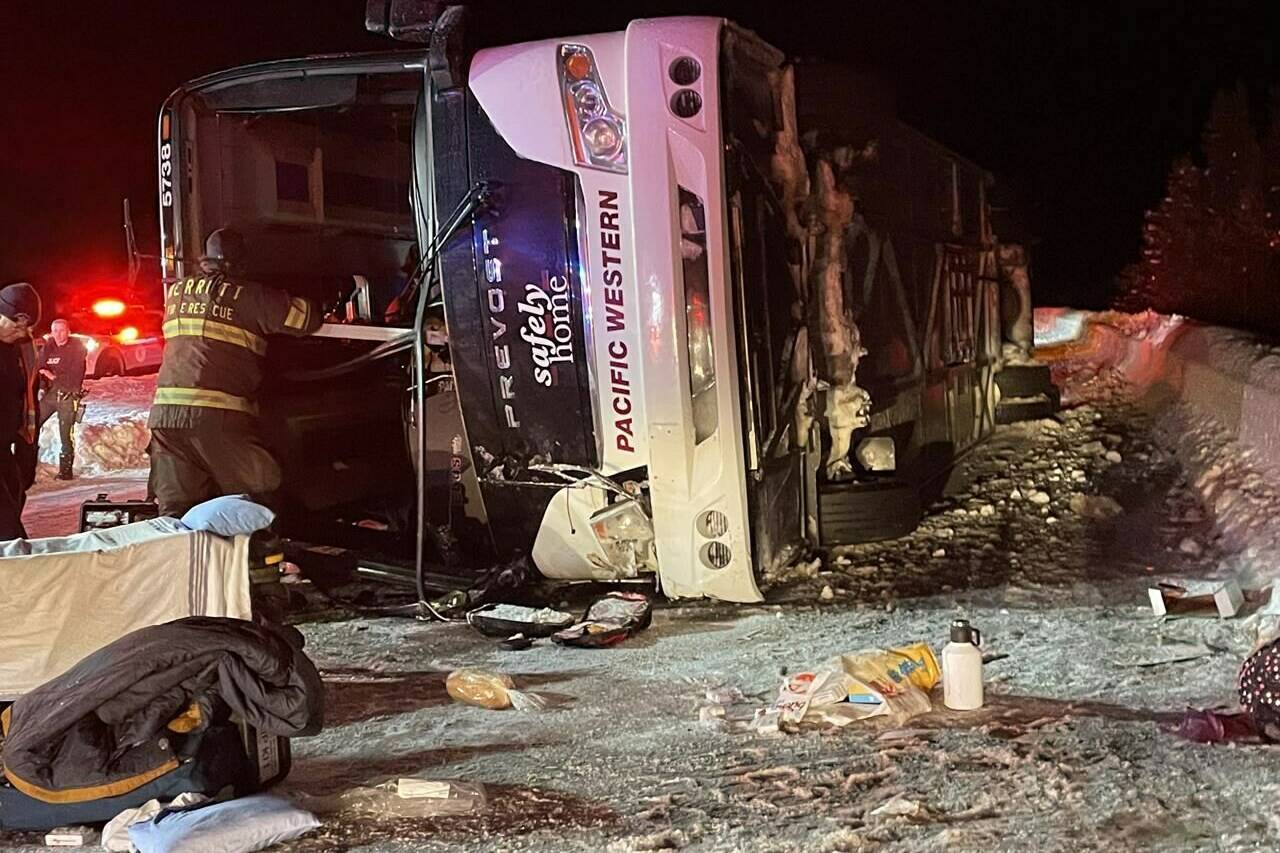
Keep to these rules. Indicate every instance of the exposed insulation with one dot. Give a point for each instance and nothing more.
(819, 214)
(1018, 327)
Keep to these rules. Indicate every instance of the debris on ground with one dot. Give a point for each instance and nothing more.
(71, 836)
(480, 688)
(507, 620)
(1218, 727)
(608, 621)
(1196, 598)
(859, 685)
(492, 690)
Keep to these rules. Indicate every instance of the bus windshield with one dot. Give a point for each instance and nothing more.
(314, 170)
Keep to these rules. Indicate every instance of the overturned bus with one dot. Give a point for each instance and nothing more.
(596, 301)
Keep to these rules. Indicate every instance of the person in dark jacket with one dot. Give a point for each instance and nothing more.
(19, 311)
(61, 366)
(204, 437)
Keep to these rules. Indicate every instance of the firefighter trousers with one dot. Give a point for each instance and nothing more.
(190, 466)
(67, 411)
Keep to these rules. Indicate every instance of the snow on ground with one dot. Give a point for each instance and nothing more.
(113, 436)
(1046, 540)
(111, 455)
(1050, 535)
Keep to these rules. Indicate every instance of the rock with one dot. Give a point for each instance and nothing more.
(1099, 507)
(1039, 498)
(941, 552)
(898, 807)
(1079, 476)
(986, 510)
(1015, 495)
(711, 715)
(1190, 546)
(721, 696)
(1093, 448)
(1114, 458)
(827, 593)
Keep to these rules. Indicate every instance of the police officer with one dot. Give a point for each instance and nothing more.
(61, 365)
(204, 438)
(19, 311)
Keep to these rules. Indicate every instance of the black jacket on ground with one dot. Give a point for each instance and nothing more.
(215, 333)
(103, 728)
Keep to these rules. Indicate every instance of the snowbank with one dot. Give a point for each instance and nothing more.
(1230, 376)
(113, 436)
(1215, 394)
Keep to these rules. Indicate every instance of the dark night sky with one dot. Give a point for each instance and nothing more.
(1077, 107)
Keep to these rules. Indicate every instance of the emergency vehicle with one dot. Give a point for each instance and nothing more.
(585, 308)
(118, 337)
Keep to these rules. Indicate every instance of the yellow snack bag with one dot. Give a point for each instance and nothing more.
(894, 682)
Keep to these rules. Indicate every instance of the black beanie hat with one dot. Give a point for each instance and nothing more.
(18, 300)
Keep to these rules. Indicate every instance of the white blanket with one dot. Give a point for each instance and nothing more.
(64, 598)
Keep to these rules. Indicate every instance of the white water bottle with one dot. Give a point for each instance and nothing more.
(962, 668)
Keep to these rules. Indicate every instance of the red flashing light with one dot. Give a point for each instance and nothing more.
(109, 308)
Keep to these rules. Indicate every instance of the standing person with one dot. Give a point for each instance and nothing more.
(19, 311)
(61, 365)
(204, 436)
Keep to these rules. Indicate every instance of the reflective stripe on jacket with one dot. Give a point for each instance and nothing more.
(215, 333)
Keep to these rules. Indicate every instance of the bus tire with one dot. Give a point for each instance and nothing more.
(1024, 380)
(851, 513)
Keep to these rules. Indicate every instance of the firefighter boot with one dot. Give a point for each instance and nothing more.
(64, 468)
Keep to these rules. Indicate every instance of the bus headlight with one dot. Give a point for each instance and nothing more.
(597, 132)
(625, 534)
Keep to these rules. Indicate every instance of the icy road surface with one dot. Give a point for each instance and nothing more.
(1047, 542)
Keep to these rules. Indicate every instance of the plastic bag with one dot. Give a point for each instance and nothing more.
(480, 687)
(869, 683)
(805, 689)
(608, 621)
(403, 798)
(493, 690)
(893, 682)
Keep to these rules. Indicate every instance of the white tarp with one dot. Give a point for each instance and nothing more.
(64, 598)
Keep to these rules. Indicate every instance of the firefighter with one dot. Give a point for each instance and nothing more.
(19, 311)
(61, 365)
(204, 437)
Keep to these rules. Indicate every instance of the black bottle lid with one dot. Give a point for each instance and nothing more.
(961, 631)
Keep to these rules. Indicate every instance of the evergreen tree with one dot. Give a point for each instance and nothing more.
(1210, 247)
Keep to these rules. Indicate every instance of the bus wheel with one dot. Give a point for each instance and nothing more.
(850, 513)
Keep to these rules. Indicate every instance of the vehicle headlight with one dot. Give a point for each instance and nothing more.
(89, 344)
(597, 131)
